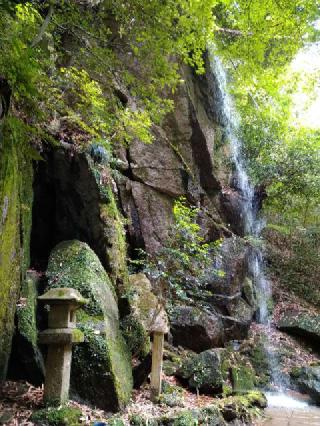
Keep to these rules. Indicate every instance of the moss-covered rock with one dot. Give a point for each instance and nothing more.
(203, 371)
(113, 221)
(255, 352)
(303, 324)
(307, 379)
(136, 336)
(15, 224)
(101, 368)
(26, 360)
(242, 378)
(144, 308)
(171, 395)
(208, 416)
(61, 416)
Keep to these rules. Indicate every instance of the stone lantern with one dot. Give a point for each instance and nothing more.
(61, 334)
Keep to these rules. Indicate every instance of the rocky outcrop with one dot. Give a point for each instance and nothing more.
(203, 372)
(101, 368)
(303, 324)
(15, 225)
(307, 380)
(75, 199)
(185, 159)
(195, 329)
(145, 315)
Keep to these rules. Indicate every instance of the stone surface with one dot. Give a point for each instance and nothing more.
(203, 371)
(307, 379)
(302, 324)
(242, 378)
(75, 198)
(146, 315)
(26, 361)
(15, 224)
(101, 368)
(195, 329)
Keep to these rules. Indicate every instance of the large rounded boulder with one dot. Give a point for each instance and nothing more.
(101, 367)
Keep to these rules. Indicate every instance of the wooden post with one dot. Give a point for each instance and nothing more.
(156, 370)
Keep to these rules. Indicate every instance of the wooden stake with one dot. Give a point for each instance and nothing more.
(156, 370)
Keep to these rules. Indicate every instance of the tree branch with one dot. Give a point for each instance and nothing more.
(43, 28)
(237, 33)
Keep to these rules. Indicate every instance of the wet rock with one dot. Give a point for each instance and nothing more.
(302, 324)
(230, 201)
(203, 371)
(231, 261)
(249, 293)
(195, 329)
(101, 368)
(307, 379)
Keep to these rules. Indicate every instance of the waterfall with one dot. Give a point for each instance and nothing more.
(251, 223)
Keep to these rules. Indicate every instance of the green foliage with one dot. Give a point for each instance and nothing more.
(60, 416)
(179, 268)
(295, 261)
(71, 65)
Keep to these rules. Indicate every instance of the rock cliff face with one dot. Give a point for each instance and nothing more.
(117, 210)
(187, 158)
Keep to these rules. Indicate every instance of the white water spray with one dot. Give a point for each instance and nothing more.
(251, 224)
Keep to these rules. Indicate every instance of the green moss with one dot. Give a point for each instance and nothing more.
(136, 336)
(26, 313)
(77, 336)
(171, 395)
(116, 253)
(61, 416)
(105, 364)
(15, 221)
(243, 378)
(101, 366)
(73, 264)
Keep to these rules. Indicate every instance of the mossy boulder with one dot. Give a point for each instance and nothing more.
(256, 353)
(302, 324)
(171, 395)
(15, 224)
(204, 371)
(242, 378)
(144, 307)
(307, 380)
(101, 368)
(61, 416)
(26, 361)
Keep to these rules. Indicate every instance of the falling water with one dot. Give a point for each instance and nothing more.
(252, 224)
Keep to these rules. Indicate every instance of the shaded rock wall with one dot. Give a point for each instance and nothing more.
(15, 224)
